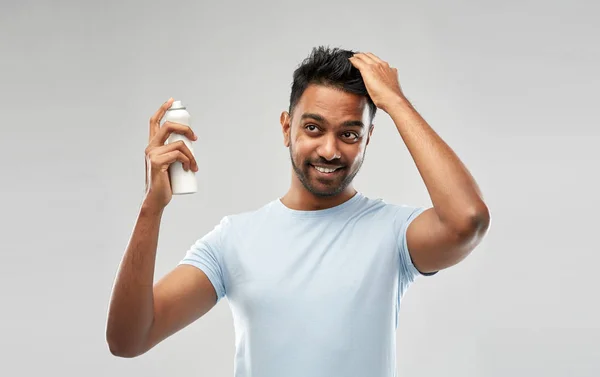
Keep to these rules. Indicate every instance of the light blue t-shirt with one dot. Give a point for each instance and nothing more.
(312, 293)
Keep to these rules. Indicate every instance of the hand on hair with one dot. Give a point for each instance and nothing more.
(380, 79)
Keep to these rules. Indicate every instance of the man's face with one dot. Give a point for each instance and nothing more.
(327, 136)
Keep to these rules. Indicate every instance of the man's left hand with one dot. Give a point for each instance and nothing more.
(380, 79)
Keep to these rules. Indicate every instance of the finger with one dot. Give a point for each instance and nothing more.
(357, 62)
(169, 127)
(183, 148)
(158, 158)
(164, 160)
(375, 58)
(365, 58)
(157, 117)
(180, 146)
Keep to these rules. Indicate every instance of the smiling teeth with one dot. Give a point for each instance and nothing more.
(325, 170)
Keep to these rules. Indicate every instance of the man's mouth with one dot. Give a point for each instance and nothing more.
(327, 170)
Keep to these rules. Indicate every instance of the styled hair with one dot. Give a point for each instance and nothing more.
(330, 67)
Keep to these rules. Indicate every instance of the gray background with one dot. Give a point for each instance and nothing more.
(511, 86)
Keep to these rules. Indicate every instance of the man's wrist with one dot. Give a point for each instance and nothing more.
(398, 103)
(151, 209)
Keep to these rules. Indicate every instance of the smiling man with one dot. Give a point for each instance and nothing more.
(327, 148)
(314, 278)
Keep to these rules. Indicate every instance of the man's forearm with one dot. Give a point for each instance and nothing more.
(131, 308)
(453, 191)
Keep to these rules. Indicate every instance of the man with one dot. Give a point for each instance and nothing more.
(314, 278)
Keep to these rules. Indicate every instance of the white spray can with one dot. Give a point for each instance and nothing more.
(182, 182)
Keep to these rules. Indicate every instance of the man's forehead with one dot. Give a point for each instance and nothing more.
(331, 102)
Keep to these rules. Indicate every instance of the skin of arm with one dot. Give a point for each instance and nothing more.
(141, 314)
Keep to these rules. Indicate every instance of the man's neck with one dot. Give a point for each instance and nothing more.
(302, 200)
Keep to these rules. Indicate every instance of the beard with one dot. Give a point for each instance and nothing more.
(323, 187)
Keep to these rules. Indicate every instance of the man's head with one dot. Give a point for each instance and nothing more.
(329, 122)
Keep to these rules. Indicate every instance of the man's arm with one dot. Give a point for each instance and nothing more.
(180, 298)
(445, 234)
(141, 315)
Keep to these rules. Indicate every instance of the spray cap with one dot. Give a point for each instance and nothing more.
(176, 105)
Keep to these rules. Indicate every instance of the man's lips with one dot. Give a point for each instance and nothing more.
(327, 170)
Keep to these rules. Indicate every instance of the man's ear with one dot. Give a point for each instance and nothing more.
(285, 120)
(370, 133)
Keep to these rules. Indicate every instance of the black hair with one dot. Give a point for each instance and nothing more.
(330, 67)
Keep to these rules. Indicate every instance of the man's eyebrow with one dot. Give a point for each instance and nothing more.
(312, 116)
(319, 118)
(353, 123)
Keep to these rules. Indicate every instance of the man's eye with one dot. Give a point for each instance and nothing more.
(350, 135)
(311, 127)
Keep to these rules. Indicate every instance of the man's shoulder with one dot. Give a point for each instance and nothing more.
(386, 206)
(249, 217)
(377, 210)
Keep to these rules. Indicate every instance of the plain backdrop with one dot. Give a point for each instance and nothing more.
(511, 86)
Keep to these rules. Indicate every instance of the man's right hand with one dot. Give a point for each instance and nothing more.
(159, 156)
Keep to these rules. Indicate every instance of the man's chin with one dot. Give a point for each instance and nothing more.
(325, 190)
(324, 194)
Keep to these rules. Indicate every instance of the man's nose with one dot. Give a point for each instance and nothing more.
(329, 149)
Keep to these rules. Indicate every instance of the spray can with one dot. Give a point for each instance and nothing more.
(182, 182)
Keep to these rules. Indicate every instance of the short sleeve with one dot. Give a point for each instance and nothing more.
(207, 255)
(403, 218)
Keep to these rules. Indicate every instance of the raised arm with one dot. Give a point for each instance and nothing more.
(445, 234)
(141, 314)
